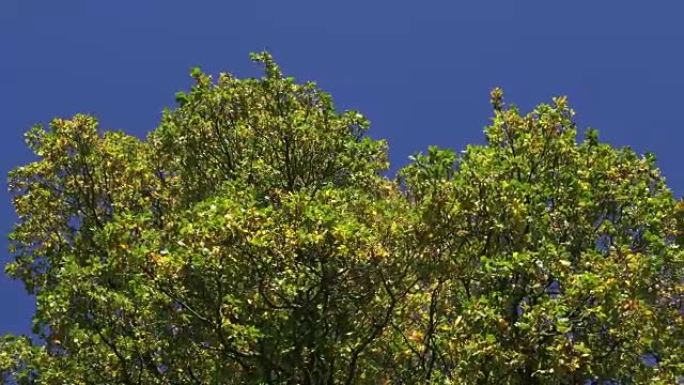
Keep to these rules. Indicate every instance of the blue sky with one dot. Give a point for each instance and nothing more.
(420, 70)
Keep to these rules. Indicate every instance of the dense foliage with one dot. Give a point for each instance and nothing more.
(252, 239)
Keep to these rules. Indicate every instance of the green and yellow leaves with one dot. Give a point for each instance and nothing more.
(250, 239)
(278, 134)
(554, 247)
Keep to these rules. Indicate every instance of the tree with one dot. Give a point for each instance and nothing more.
(252, 239)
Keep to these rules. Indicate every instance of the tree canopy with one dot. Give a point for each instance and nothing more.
(253, 238)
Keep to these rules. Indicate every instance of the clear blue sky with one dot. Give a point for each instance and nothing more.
(420, 70)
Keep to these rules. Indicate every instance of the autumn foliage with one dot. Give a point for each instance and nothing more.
(252, 238)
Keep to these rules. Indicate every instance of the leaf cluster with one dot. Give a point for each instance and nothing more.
(252, 239)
